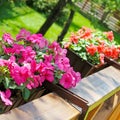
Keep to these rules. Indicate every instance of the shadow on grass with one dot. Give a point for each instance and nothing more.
(9, 11)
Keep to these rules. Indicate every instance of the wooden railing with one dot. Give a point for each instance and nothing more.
(112, 21)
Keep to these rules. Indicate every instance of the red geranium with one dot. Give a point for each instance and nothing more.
(93, 45)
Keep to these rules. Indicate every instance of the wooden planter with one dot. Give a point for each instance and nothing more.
(82, 66)
(17, 101)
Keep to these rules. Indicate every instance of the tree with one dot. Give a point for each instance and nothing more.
(66, 26)
(53, 16)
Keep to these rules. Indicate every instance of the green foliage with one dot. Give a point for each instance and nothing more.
(26, 93)
(44, 6)
(108, 5)
(92, 46)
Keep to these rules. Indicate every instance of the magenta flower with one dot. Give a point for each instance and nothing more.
(62, 63)
(23, 34)
(48, 75)
(70, 78)
(7, 38)
(66, 80)
(5, 97)
(34, 83)
(46, 71)
(27, 54)
(29, 61)
(38, 40)
(19, 74)
(48, 58)
(34, 38)
(43, 43)
(3, 62)
(15, 49)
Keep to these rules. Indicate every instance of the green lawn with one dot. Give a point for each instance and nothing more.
(14, 17)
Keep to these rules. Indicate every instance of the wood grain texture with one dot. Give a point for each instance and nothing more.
(99, 85)
(115, 115)
(48, 107)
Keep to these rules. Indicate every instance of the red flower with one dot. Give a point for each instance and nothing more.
(66, 45)
(100, 48)
(92, 49)
(115, 52)
(74, 38)
(108, 51)
(85, 33)
(110, 35)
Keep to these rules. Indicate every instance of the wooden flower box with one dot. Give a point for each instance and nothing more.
(82, 66)
(18, 100)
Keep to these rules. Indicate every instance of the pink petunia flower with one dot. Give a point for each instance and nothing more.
(63, 63)
(5, 97)
(70, 78)
(19, 74)
(7, 38)
(46, 71)
(27, 54)
(23, 34)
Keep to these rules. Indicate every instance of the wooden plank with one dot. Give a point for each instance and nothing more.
(96, 86)
(98, 12)
(48, 107)
(115, 101)
(112, 62)
(92, 113)
(104, 112)
(73, 98)
(115, 115)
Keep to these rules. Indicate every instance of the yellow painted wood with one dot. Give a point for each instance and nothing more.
(115, 115)
(115, 100)
(92, 113)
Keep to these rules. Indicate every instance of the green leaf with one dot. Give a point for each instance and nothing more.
(21, 87)
(6, 83)
(26, 94)
(13, 86)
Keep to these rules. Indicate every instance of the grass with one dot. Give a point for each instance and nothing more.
(14, 17)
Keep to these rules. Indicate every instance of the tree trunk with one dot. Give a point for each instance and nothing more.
(66, 26)
(53, 16)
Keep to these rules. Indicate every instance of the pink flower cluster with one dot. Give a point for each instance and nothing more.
(31, 59)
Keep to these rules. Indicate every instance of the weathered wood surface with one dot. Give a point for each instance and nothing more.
(48, 107)
(100, 85)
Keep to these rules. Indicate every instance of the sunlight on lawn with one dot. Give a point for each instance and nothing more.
(26, 18)
(15, 17)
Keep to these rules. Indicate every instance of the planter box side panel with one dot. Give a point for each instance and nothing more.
(82, 66)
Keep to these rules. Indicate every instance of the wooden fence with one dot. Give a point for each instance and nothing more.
(112, 21)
